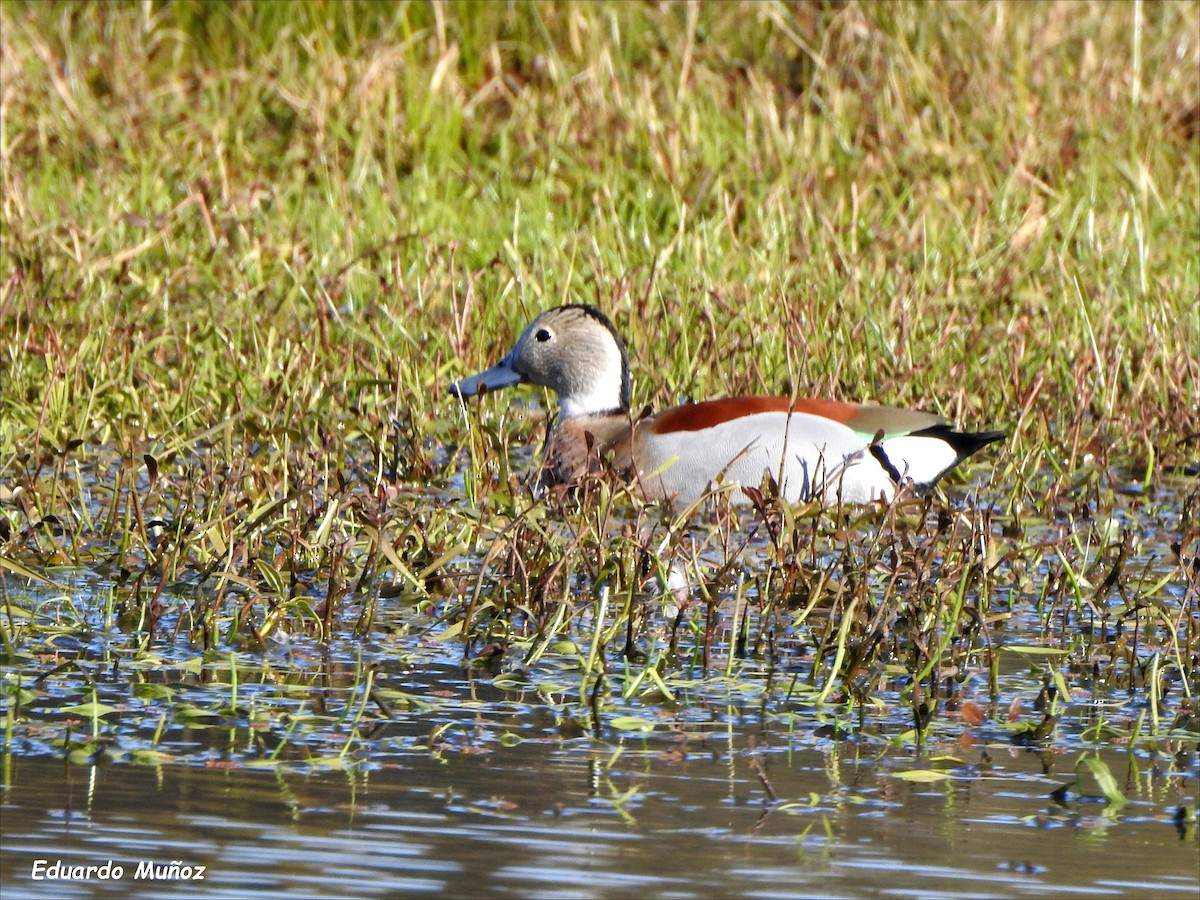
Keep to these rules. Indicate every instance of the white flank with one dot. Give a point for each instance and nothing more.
(922, 459)
(809, 456)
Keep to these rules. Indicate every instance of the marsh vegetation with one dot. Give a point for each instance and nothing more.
(246, 249)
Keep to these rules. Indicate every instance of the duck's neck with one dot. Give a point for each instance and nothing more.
(593, 405)
(606, 393)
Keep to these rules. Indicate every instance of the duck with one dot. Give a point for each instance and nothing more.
(831, 451)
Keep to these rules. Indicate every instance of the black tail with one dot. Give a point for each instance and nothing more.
(964, 443)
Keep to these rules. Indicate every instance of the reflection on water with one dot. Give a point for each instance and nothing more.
(578, 818)
(281, 772)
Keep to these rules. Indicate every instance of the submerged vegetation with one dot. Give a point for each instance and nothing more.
(247, 247)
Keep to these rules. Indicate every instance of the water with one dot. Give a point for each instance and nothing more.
(575, 819)
(382, 766)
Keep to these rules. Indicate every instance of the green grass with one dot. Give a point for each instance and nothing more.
(246, 247)
(218, 209)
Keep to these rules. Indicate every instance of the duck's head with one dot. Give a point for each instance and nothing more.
(574, 351)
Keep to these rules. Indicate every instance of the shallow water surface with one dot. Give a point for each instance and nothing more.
(581, 819)
(383, 764)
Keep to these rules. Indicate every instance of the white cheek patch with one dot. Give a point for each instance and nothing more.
(602, 393)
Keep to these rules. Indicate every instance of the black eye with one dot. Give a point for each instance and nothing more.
(542, 336)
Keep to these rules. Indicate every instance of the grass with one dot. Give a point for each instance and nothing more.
(246, 247)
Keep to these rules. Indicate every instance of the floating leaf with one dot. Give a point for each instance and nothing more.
(402, 698)
(146, 661)
(1035, 650)
(264, 763)
(91, 709)
(921, 776)
(632, 723)
(17, 569)
(150, 691)
(972, 713)
(450, 633)
(18, 613)
(151, 757)
(18, 696)
(193, 713)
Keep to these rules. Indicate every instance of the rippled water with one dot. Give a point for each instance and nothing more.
(280, 773)
(570, 820)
